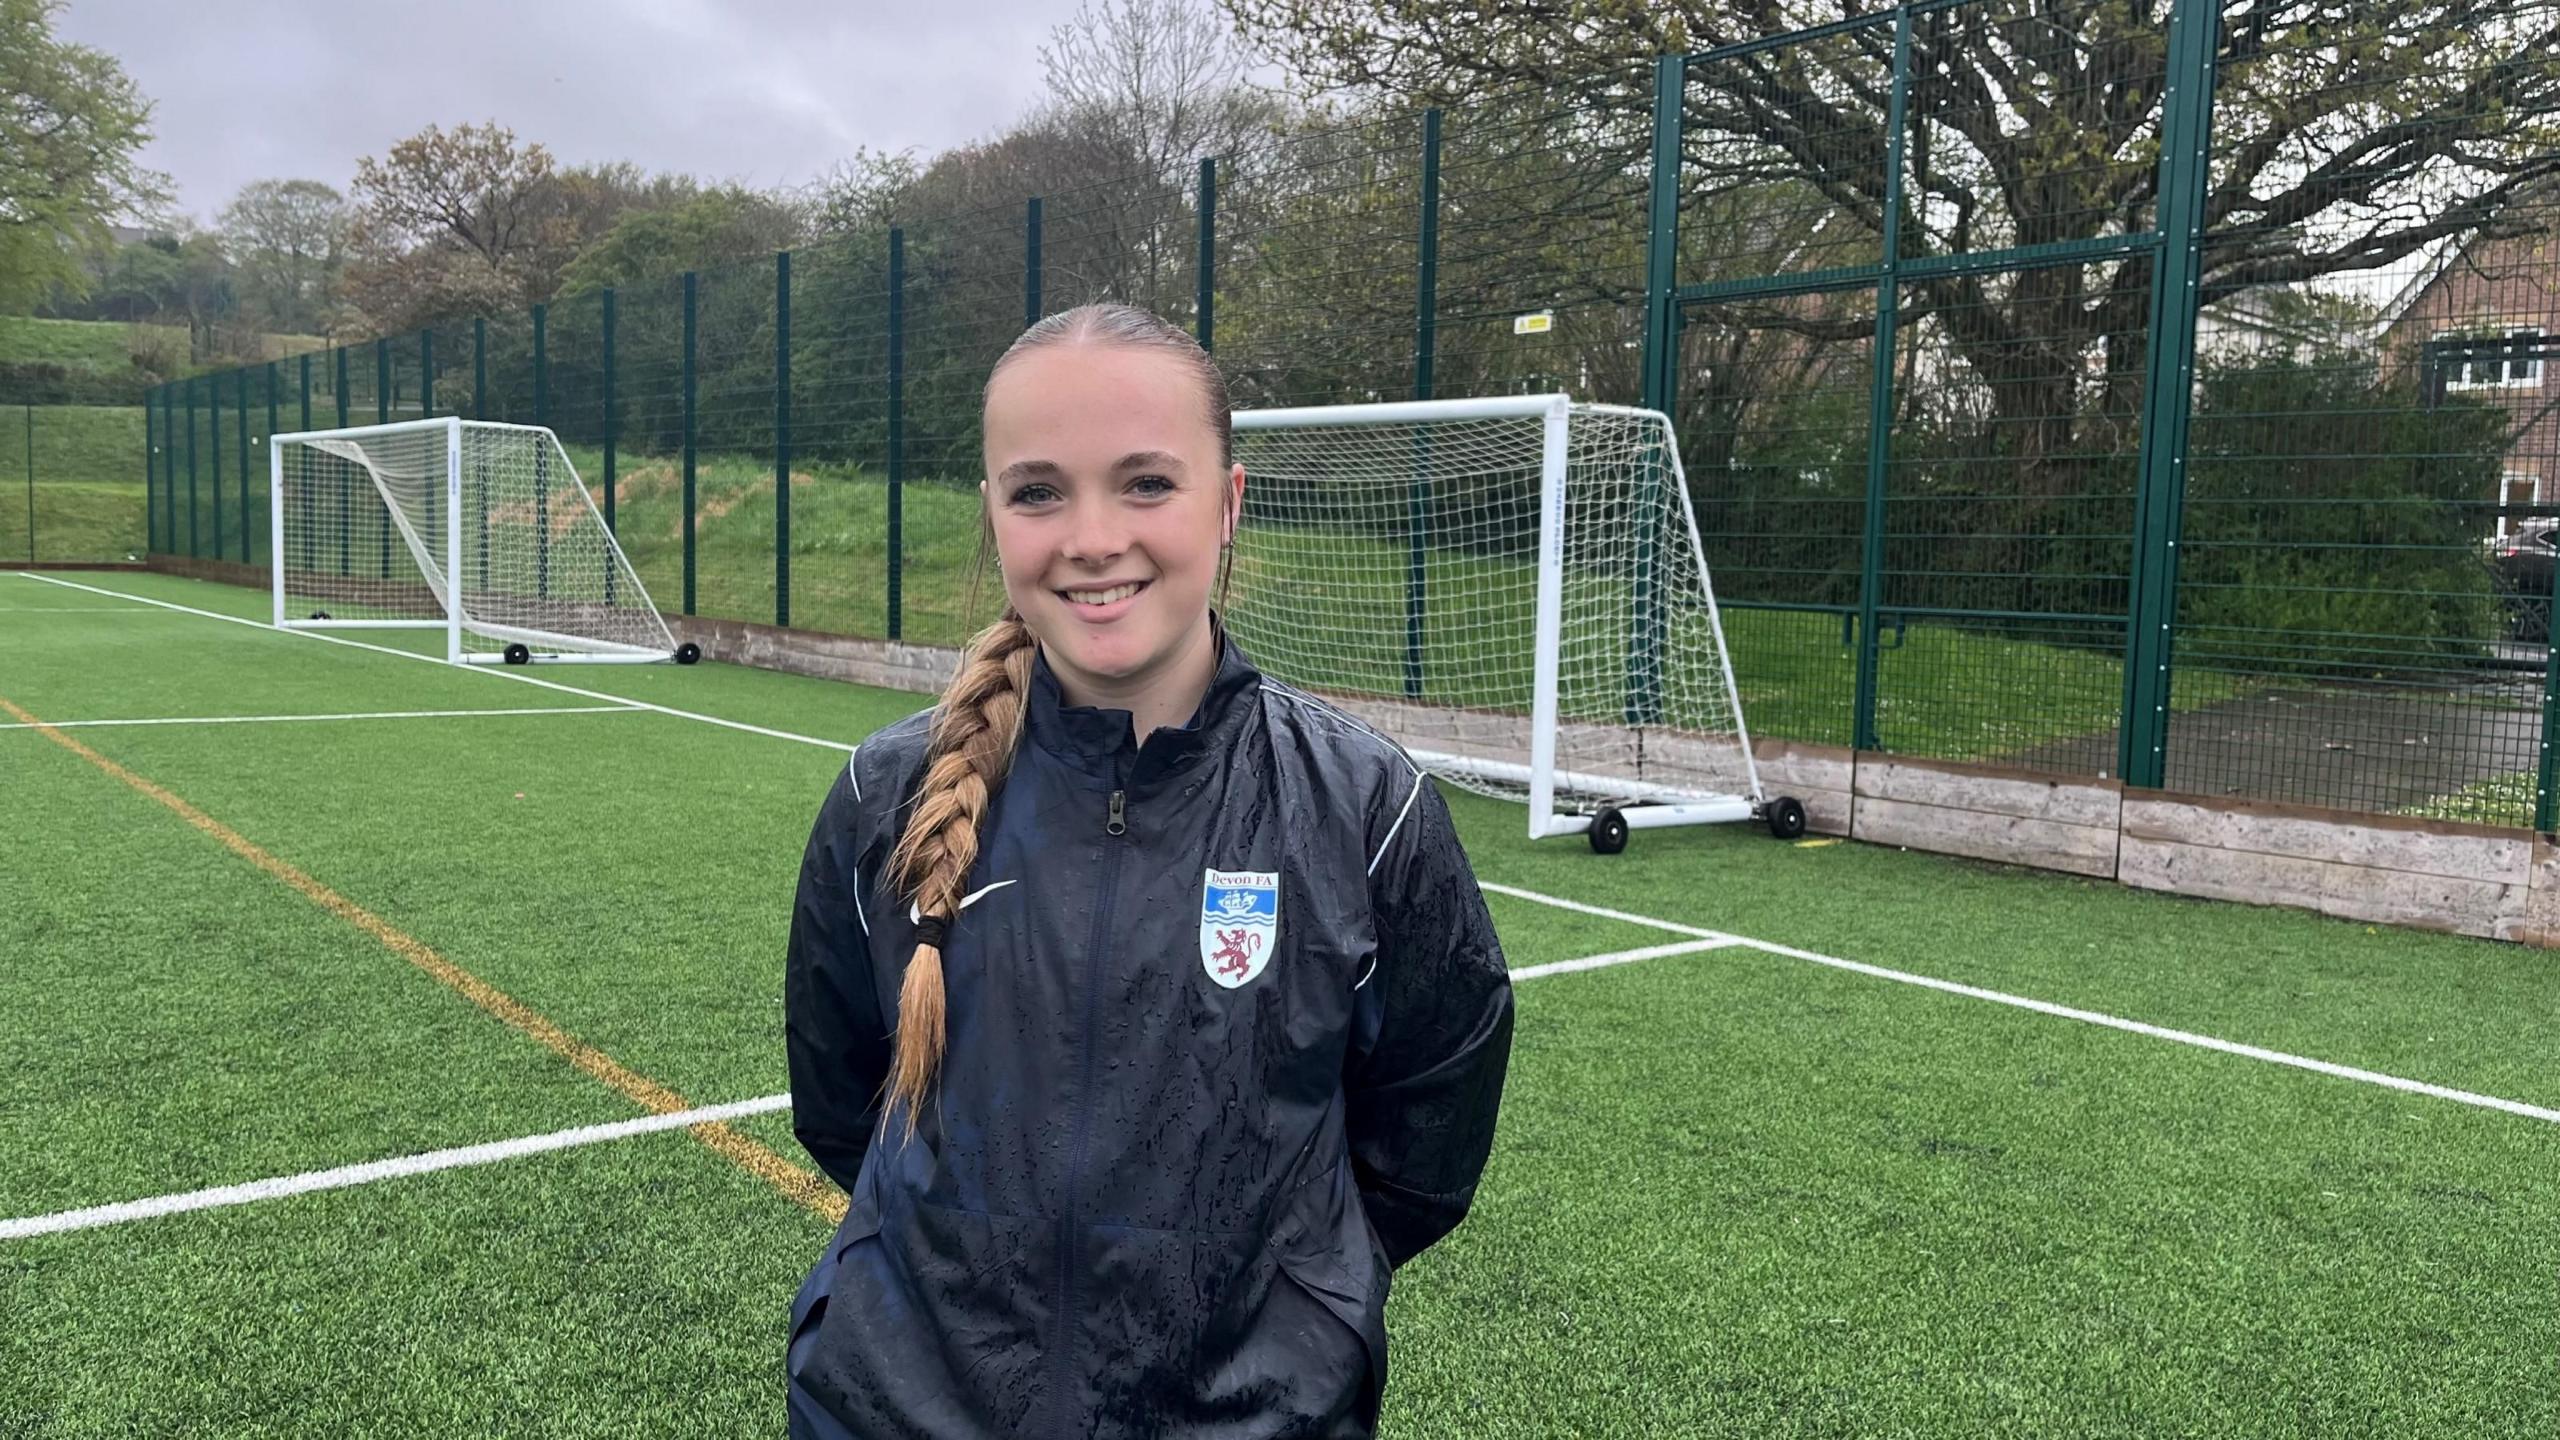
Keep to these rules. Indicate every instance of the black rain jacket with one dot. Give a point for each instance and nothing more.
(1170, 1161)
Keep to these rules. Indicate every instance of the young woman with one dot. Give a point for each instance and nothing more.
(1145, 1007)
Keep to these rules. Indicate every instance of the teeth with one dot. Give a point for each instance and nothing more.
(1102, 597)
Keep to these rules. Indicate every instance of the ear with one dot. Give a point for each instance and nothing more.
(1235, 500)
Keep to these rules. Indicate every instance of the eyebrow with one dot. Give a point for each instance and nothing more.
(1048, 469)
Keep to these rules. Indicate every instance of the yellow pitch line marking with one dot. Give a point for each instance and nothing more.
(798, 1185)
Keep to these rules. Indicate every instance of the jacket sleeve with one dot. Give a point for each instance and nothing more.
(1431, 1036)
(837, 1040)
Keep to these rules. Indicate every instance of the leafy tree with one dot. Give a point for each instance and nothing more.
(710, 228)
(287, 239)
(446, 223)
(71, 125)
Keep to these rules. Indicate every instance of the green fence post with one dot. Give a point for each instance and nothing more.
(1643, 699)
(611, 427)
(382, 416)
(611, 418)
(168, 468)
(1864, 732)
(541, 364)
(305, 385)
(2142, 736)
(275, 381)
(172, 440)
(479, 367)
(1206, 304)
(782, 438)
(213, 445)
(542, 456)
(150, 472)
(1031, 262)
(346, 494)
(169, 441)
(1426, 321)
(690, 281)
(898, 424)
(427, 407)
(2546, 773)
(195, 546)
(248, 546)
(1662, 235)
(31, 483)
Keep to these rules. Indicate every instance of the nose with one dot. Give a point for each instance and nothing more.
(1095, 535)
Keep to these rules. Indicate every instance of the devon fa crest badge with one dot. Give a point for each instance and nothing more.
(1239, 923)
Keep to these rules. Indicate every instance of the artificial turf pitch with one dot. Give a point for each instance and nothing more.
(1735, 1192)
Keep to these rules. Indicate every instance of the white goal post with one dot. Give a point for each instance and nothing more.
(1514, 589)
(479, 529)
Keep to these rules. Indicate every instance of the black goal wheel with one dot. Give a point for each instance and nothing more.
(1608, 832)
(319, 614)
(687, 653)
(518, 655)
(1786, 817)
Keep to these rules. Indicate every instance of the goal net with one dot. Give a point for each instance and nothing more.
(1512, 588)
(478, 529)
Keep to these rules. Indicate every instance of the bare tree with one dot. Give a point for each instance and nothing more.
(1160, 79)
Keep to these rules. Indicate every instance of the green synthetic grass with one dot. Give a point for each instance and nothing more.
(1734, 1193)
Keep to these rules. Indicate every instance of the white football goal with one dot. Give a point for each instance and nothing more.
(479, 529)
(1514, 589)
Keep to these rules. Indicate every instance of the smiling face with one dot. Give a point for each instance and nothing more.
(1109, 504)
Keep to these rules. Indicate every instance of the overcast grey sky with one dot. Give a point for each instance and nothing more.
(766, 92)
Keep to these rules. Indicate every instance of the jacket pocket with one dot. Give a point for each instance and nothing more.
(1327, 1250)
(931, 1324)
(809, 1307)
(1358, 1338)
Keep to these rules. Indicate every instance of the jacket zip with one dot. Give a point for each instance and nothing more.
(1062, 1368)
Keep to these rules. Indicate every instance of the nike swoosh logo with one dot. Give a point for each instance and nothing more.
(972, 898)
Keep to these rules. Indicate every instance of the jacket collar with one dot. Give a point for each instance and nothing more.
(1100, 743)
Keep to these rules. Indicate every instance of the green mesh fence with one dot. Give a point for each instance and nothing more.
(2161, 392)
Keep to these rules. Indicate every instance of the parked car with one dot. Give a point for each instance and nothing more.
(2521, 560)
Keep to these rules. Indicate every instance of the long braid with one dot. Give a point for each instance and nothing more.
(975, 728)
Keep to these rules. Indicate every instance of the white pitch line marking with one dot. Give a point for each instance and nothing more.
(366, 715)
(1619, 957)
(345, 1176)
(2063, 1012)
(489, 670)
(1604, 912)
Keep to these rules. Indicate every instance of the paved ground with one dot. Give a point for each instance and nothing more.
(2360, 749)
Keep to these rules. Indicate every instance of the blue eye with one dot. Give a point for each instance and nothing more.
(1152, 485)
(1034, 494)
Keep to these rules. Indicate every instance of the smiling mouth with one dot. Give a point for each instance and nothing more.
(1112, 596)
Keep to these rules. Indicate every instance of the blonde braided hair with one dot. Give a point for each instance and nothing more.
(975, 729)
